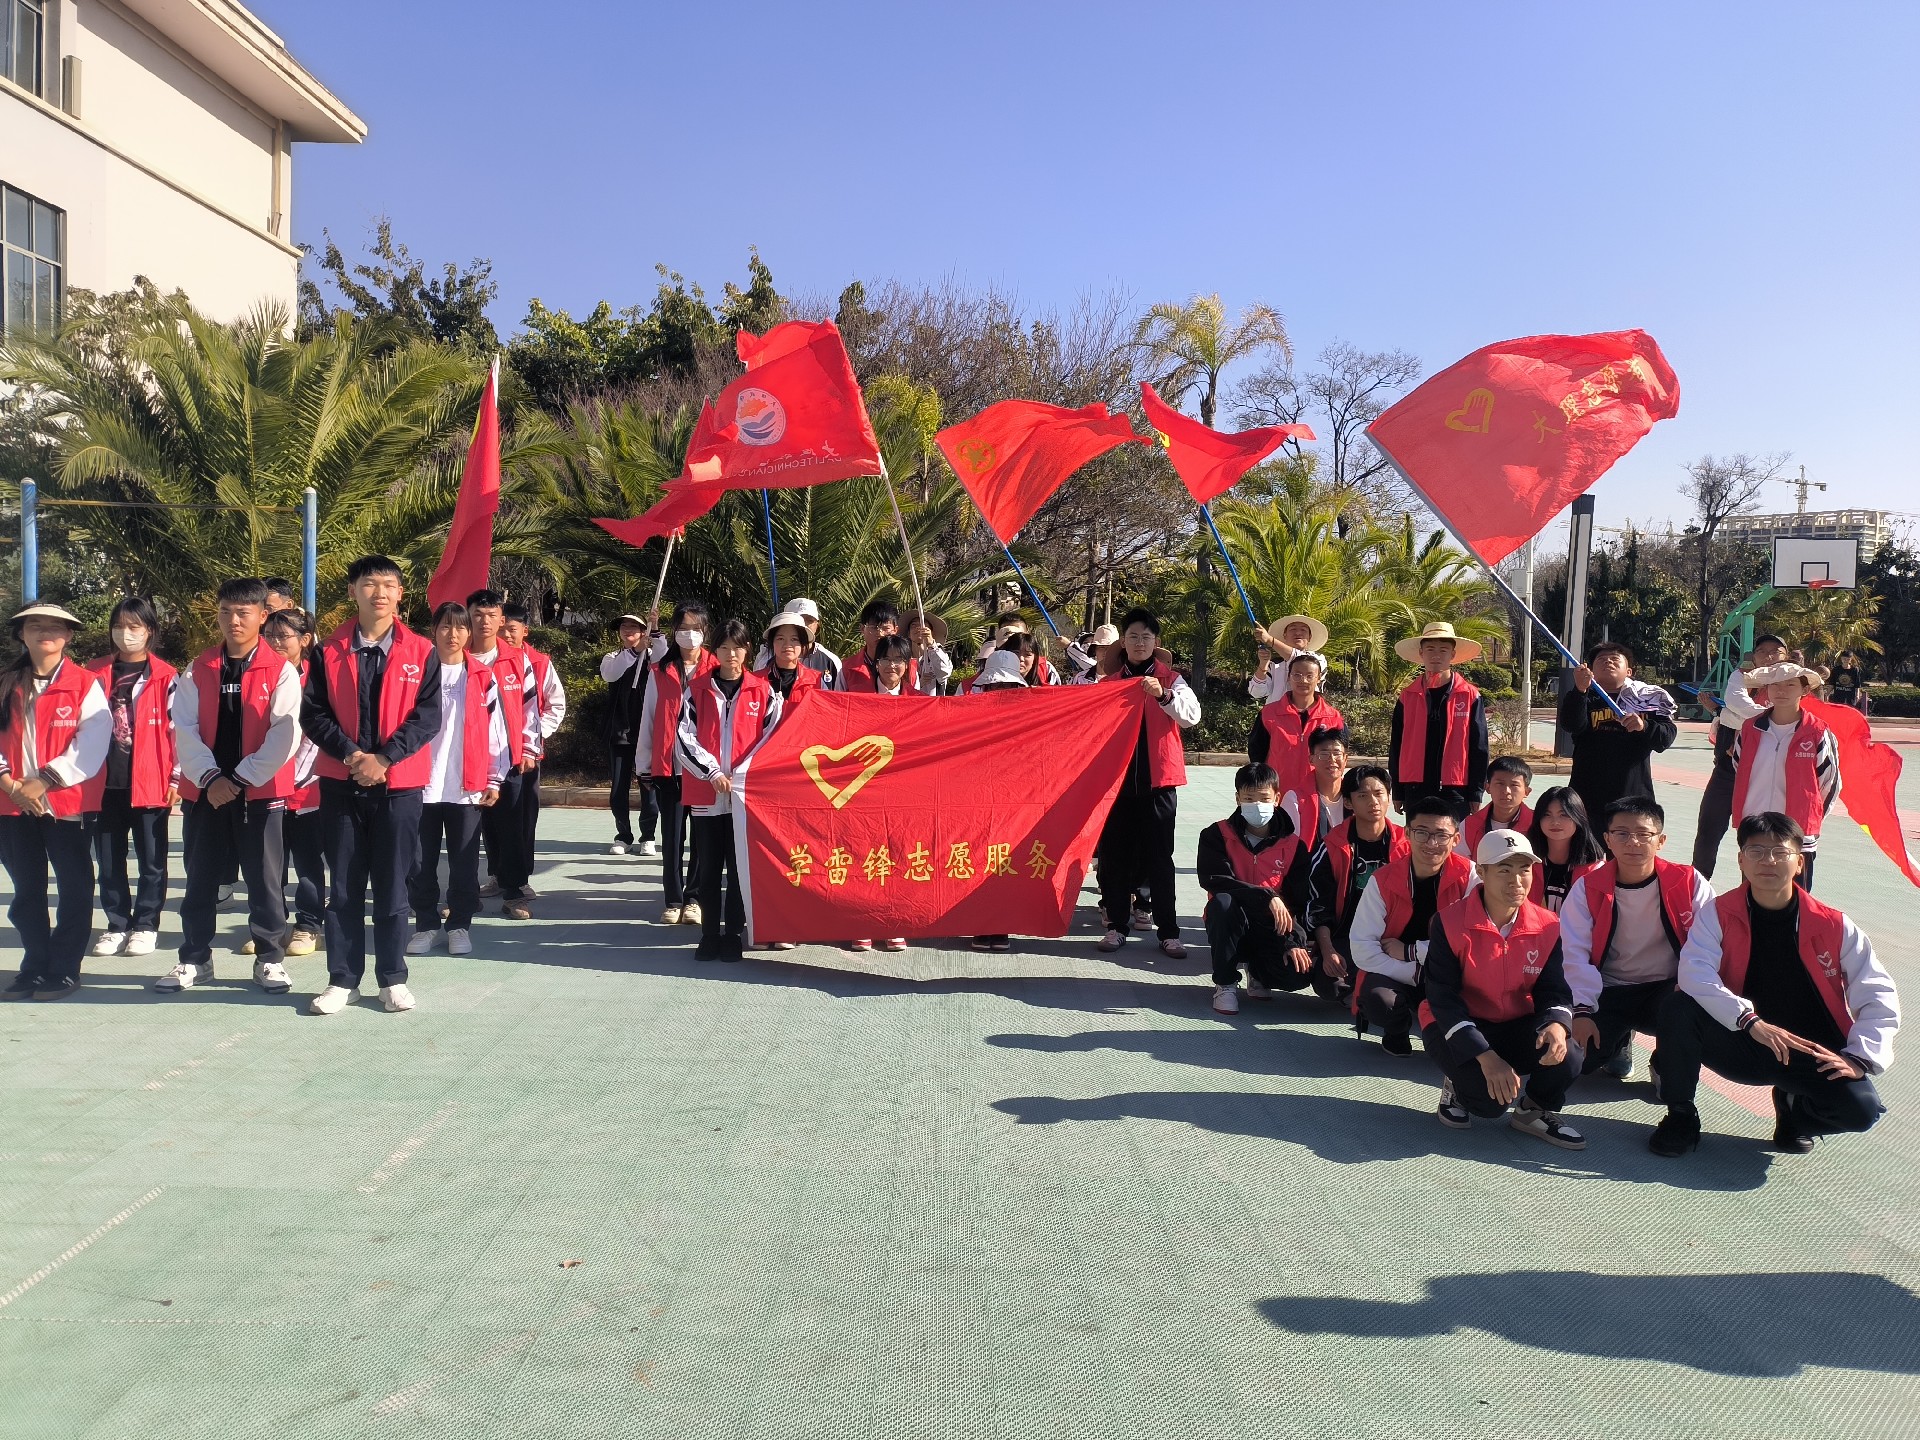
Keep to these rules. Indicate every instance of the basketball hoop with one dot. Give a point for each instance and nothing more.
(1823, 584)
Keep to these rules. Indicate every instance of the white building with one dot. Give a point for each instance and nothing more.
(151, 137)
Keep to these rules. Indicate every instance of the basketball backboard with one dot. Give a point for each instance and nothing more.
(1803, 563)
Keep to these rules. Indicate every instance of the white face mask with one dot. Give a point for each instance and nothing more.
(1256, 812)
(688, 639)
(130, 637)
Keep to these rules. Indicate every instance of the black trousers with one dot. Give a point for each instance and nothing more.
(619, 796)
(372, 840)
(307, 856)
(504, 830)
(111, 827)
(679, 862)
(713, 852)
(1391, 1004)
(1691, 1038)
(251, 831)
(1240, 936)
(1516, 1042)
(1716, 805)
(529, 822)
(1624, 1009)
(32, 848)
(1136, 845)
(458, 828)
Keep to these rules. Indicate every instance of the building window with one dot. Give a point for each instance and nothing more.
(24, 25)
(33, 237)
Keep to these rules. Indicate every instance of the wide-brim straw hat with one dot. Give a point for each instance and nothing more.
(1316, 632)
(1104, 636)
(46, 610)
(932, 622)
(1785, 670)
(1463, 648)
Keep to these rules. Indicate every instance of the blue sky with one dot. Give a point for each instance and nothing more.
(1737, 179)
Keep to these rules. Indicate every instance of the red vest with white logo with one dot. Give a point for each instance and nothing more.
(1287, 734)
(407, 661)
(749, 724)
(1166, 756)
(257, 684)
(1676, 902)
(1497, 971)
(1822, 930)
(1265, 868)
(510, 685)
(1395, 879)
(856, 675)
(804, 679)
(1477, 823)
(154, 756)
(1413, 732)
(670, 695)
(1340, 857)
(1802, 777)
(56, 718)
(542, 668)
(476, 740)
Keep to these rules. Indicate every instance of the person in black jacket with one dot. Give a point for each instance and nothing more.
(1254, 870)
(628, 671)
(1613, 754)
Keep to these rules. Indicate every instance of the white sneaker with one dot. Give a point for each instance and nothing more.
(459, 942)
(396, 998)
(271, 976)
(690, 913)
(111, 943)
(1226, 999)
(332, 1000)
(421, 941)
(781, 945)
(617, 848)
(670, 915)
(183, 977)
(141, 942)
(649, 850)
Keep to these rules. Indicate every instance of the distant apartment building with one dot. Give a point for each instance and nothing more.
(1872, 528)
(151, 137)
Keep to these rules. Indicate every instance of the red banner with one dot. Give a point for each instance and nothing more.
(678, 503)
(1504, 440)
(870, 815)
(1012, 456)
(468, 558)
(1209, 462)
(1869, 778)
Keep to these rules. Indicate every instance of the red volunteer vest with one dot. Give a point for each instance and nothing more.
(749, 724)
(1267, 867)
(1676, 902)
(1395, 879)
(1166, 756)
(305, 798)
(1413, 732)
(56, 719)
(510, 686)
(1042, 671)
(670, 695)
(1476, 827)
(1340, 856)
(1822, 929)
(154, 755)
(476, 741)
(804, 679)
(1287, 733)
(1497, 971)
(856, 675)
(257, 684)
(1802, 779)
(407, 661)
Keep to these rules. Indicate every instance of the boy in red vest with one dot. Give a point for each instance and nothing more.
(1776, 989)
(1508, 780)
(236, 723)
(1254, 870)
(658, 755)
(372, 707)
(1497, 1002)
(729, 710)
(1623, 926)
(503, 826)
(290, 632)
(1394, 920)
(1317, 804)
(1344, 862)
(1283, 730)
(549, 700)
(1785, 760)
(1438, 741)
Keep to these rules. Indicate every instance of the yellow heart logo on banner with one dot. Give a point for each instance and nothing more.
(1475, 414)
(872, 751)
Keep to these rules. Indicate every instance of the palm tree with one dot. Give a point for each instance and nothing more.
(1825, 623)
(1429, 580)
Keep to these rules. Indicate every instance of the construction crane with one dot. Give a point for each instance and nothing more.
(1803, 484)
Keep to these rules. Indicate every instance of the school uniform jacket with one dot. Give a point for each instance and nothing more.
(72, 727)
(473, 721)
(1812, 780)
(409, 715)
(1329, 879)
(1386, 908)
(654, 748)
(156, 760)
(517, 687)
(1477, 976)
(549, 696)
(1177, 709)
(716, 734)
(270, 707)
(1586, 921)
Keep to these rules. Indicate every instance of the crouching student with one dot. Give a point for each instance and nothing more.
(138, 784)
(1254, 870)
(1342, 864)
(469, 765)
(290, 633)
(1393, 924)
(1508, 780)
(1780, 990)
(1563, 838)
(1786, 760)
(1497, 1005)
(729, 710)
(1623, 927)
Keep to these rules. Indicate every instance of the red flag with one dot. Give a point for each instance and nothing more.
(1869, 776)
(1208, 462)
(870, 815)
(1013, 455)
(1501, 442)
(465, 563)
(794, 419)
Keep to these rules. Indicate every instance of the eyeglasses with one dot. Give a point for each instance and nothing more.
(1768, 853)
(1634, 837)
(1432, 837)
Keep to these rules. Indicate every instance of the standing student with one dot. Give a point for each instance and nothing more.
(1613, 754)
(1785, 760)
(892, 662)
(927, 671)
(1317, 805)
(468, 766)
(1776, 989)
(503, 826)
(1285, 638)
(659, 755)
(55, 727)
(999, 670)
(627, 671)
(1344, 862)
(1018, 648)
(548, 698)
(290, 633)
(1254, 870)
(1393, 923)
(1731, 711)
(817, 657)
(927, 649)
(280, 594)
(1497, 1005)
(787, 645)
(1846, 684)
(1438, 740)
(1136, 842)
(1508, 780)
(729, 709)
(136, 788)
(1284, 728)
(1562, 837)
(372, 706)
(236, 721)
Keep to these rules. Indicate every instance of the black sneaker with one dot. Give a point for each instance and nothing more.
(1786, 1134)
(1677, 1133)
(1397, 1043)
(706, 950)
(22, 988)
(734, 947)
(61, 989)
(1452, 1113)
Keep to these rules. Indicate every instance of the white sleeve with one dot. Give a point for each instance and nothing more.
(1260, 687)
(196, 757)
(1737, 699)
(283, 733)
(87, 751)
(687, 742)
(1700, 971)
(530, 711)
(502, 762)
(762, 658)
(643, 735)
(936, 668)
(1182, 704)
(1369, 926)
(657, 648)
(553, 704)
(1577, 960)
(613, 666)
(1872, 1000)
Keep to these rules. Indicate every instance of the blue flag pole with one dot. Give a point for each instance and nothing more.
(1034, 593)
(773, 569)
(1207, 515)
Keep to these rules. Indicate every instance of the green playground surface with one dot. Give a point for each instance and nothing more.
(594, 1188)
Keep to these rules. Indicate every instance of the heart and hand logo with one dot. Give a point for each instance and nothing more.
(1475, 415)
(871, 752)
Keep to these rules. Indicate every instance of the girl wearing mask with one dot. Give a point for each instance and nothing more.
(290, 633)
(658, 757)
(138, 785)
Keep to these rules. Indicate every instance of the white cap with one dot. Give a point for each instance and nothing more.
(795, 617)
(1497, 846)
(47, 610)
(806, 607)
(1002, 667)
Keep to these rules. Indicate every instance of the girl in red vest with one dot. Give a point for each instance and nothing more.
(1438, 740)
(54, 732)
(658, 757)
(1342, 865)
(290, 633)
(728, 712)
(138, 785)
(1254, 870)
(1394, 918)
(1786, 760)
(1562, 836)
(789, 646)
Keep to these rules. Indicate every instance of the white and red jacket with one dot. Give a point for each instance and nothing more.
(1857, 989)
(654, 747)
(1797, 774)
(408, 656)
(1177, 709)
(470, 753)
(548, 694)
(1586, 920)
(306, 768)
(72, 727)
(156, 760)
(269, 723)
(517, 686)
(716, 734)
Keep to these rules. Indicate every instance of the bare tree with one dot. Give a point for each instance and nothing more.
(1720, 489)
(1344, 392)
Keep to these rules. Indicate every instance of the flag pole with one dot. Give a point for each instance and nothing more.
(773, 569)
(660, 585)
(913, 570)
(1034, 593)
(1207, 515)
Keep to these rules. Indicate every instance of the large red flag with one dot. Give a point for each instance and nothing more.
(1502, 441)
(1869, 776)
(1013, 455)
(1209, 462)
(465, 563)
(795, 418)
(869, 815)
